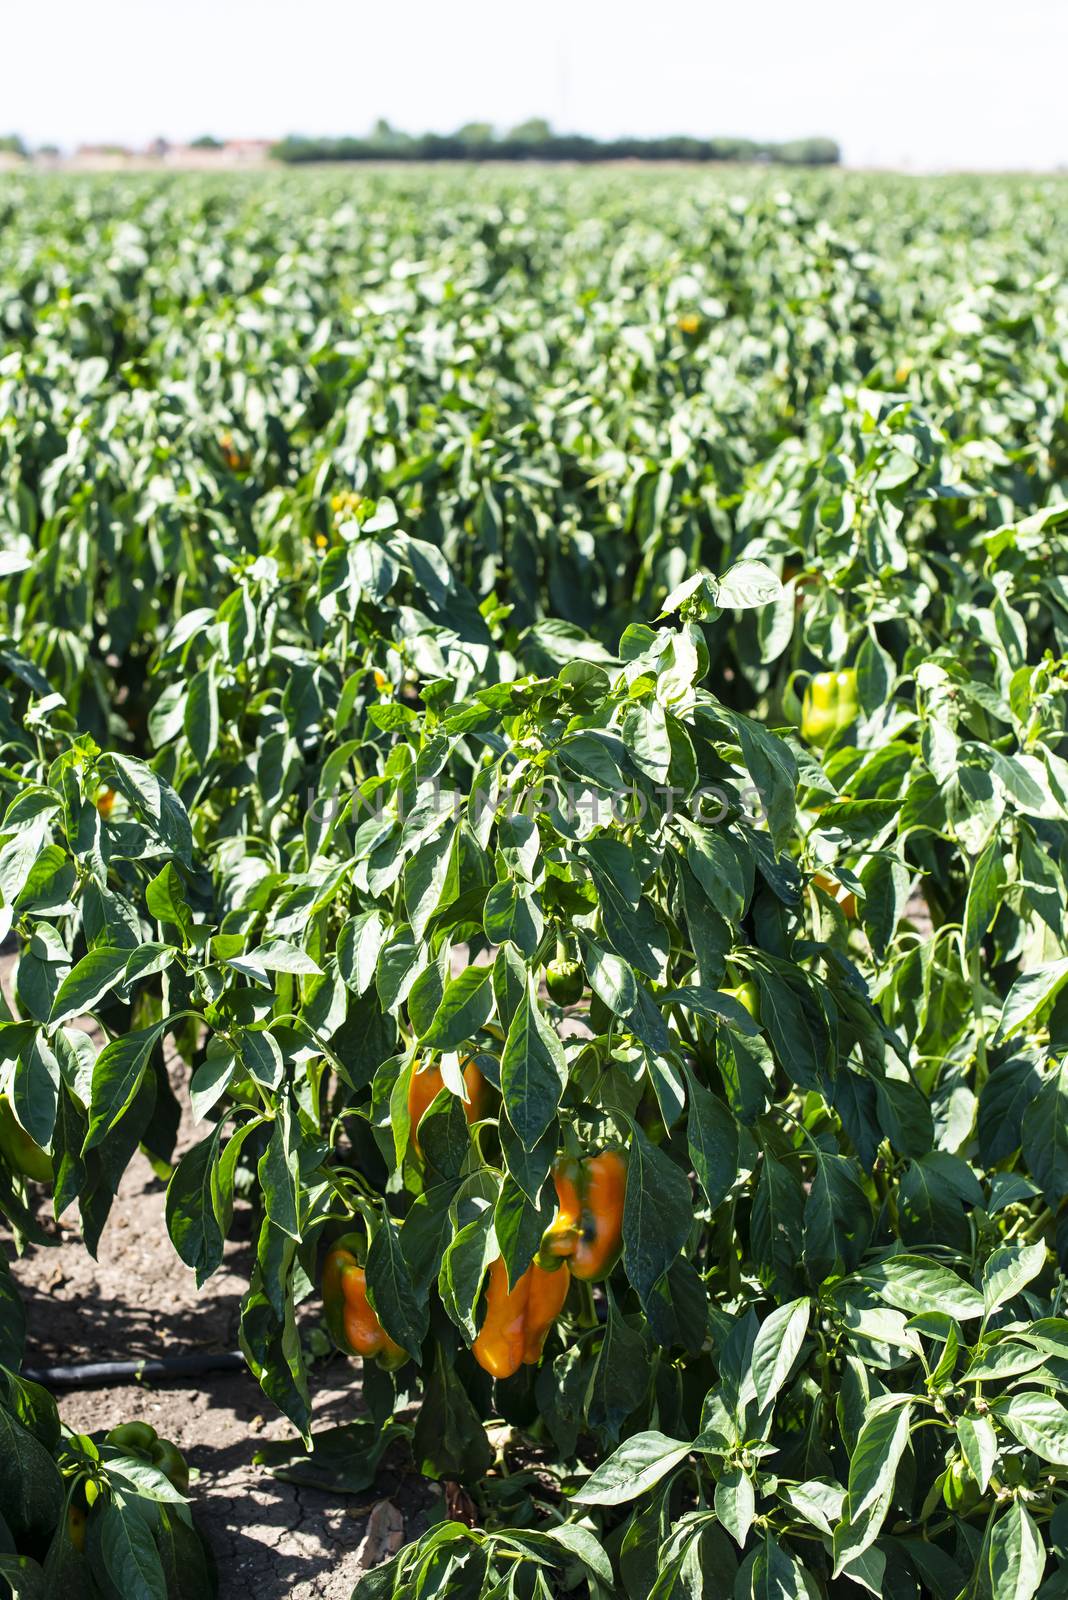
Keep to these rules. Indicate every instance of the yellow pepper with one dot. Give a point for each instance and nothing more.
(349, 1315)
(518, 1320)
(427, 1083)
(830, 704)
(747, 995)
(587, 1231)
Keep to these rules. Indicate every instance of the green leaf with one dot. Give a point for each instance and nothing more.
(117, 1076)
(511, 913)
(979, 1446)
(430, 878)
(872, 1470)
(187, 1568)
(449, 1439)
(212, 1078)
(773, 770)
(509, 982)
(916, 1286)
(463, 1267)
(986, 882)
(904, 1116)
(358, 947)
(533, 1071)
(1029, 994)
(35, 1090)
(261, 1056)
(630, 925)
(1016, 1554)
(735, 1503)
(201, 719)
(280, 956)
(657, 1214)
(1008, 1270)
(148, 1482)
(465, 1006)
(403, 1313)
(621, 1375)
(838, 1222)
(777, 1346)
(796, 1026)
(611, 980)
(88, 981)
(31, 1489)
(519, 1222)
(776, 1227)
(154, 803)
(581, 1543)
(401, 961)
(279, 1173)
(191, 1210)
(119, 1538)
(639, 1463)
(1039, 1422)
(1044, 1132)
(712, 1137)
(165, 897)
(746, 584)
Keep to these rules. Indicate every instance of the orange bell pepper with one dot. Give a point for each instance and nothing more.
(587, 1231)
(518, 1320)
(845, 899)
(428, 1083)
(349, 1314)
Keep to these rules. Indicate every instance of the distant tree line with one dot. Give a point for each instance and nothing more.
(536, 141)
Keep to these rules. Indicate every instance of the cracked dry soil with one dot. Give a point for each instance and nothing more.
(270, 1538)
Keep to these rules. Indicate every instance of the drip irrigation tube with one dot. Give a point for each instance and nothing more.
(97, 1374)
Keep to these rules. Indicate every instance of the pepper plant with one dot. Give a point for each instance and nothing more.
(559, 752)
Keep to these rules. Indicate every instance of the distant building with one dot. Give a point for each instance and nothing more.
(248, 152)
(201, 157)
(208, 158)
(101, 157)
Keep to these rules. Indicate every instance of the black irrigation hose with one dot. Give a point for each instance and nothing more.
(97, 1374)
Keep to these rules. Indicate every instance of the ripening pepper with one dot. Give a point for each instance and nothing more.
(587, 1231)
(105, 802)
(77, 1517)
(747, 995)
(830, 704)
(349, 1315)
(237, 460)
(844, 898)
(24, 1155)
(564, 981)
(427, 1084)
(518, 1320)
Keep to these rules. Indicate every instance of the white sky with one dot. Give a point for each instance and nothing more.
(917, 83)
